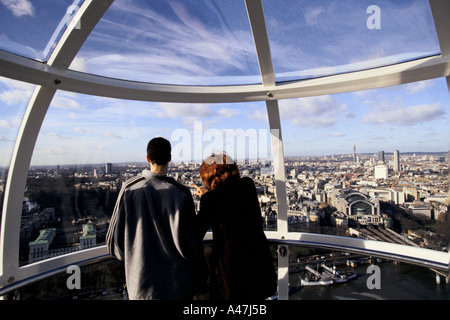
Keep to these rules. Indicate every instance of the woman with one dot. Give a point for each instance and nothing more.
(241, 263)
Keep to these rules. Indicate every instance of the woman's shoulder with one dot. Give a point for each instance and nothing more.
(247, 181)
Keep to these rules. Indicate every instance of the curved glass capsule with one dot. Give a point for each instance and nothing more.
(337, 112)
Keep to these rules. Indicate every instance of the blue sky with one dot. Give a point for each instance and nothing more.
(210, 42)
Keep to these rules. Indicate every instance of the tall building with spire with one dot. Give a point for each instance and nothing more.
(354, 153)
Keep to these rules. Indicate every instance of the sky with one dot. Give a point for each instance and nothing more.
(210, 43)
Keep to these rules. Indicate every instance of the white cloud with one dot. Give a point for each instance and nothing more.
(312, 14)
(335, 134)
(19, 7)
(320, 111)
(81, 130)
(416, 87)
(406, 116)
(338, 134)
(227, 112)
(183, 50)
(175, 110)
(55, 135)
(79, 64)
(65, 102)
(5, 139)
(15, 96)
(188, 20)
(112, 135)
(12, 123)
(258, 115)
(15, 92)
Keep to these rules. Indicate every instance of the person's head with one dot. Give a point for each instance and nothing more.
(218, 169)
(159, 151)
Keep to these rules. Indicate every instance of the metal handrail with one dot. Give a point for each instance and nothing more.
(337, 243)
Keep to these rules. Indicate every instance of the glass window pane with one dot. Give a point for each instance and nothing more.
(359, 277)
(100, 281)
(397, 280)
(185, 42)
(377, 157)
(317, 38)
(14, 96)
(89, 145)
(32, 28)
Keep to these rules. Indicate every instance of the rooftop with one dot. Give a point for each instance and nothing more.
(45, 236)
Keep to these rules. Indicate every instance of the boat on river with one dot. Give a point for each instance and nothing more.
(326, 277)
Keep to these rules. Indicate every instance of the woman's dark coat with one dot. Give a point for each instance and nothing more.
(241, 263)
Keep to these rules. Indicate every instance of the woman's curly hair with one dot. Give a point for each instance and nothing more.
(217, 169)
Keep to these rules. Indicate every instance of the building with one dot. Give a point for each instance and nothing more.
(381, 172)
(396, 164)
(356, 206)
(89, 237)
(394, 195)
(381, 156)
(421, 210)
(338, 219)
(39, 247)
(108, 168)
(32, 221)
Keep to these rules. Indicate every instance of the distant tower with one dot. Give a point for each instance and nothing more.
(381, 156)
(108, 168)
(354, 153)
(396, 160)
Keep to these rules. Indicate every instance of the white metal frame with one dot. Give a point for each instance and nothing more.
(55, 75)
(70, 43)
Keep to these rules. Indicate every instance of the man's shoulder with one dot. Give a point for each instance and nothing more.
(179, 185)
(131, 185)
(132, 181)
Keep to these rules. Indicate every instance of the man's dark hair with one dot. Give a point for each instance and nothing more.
(158, 150)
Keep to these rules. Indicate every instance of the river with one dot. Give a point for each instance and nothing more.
(397, 281)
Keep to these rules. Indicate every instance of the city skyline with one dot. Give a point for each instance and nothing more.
(347, 157)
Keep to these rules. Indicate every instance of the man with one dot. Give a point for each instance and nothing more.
(153, 231)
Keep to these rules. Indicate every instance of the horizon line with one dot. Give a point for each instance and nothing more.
(286, 157)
